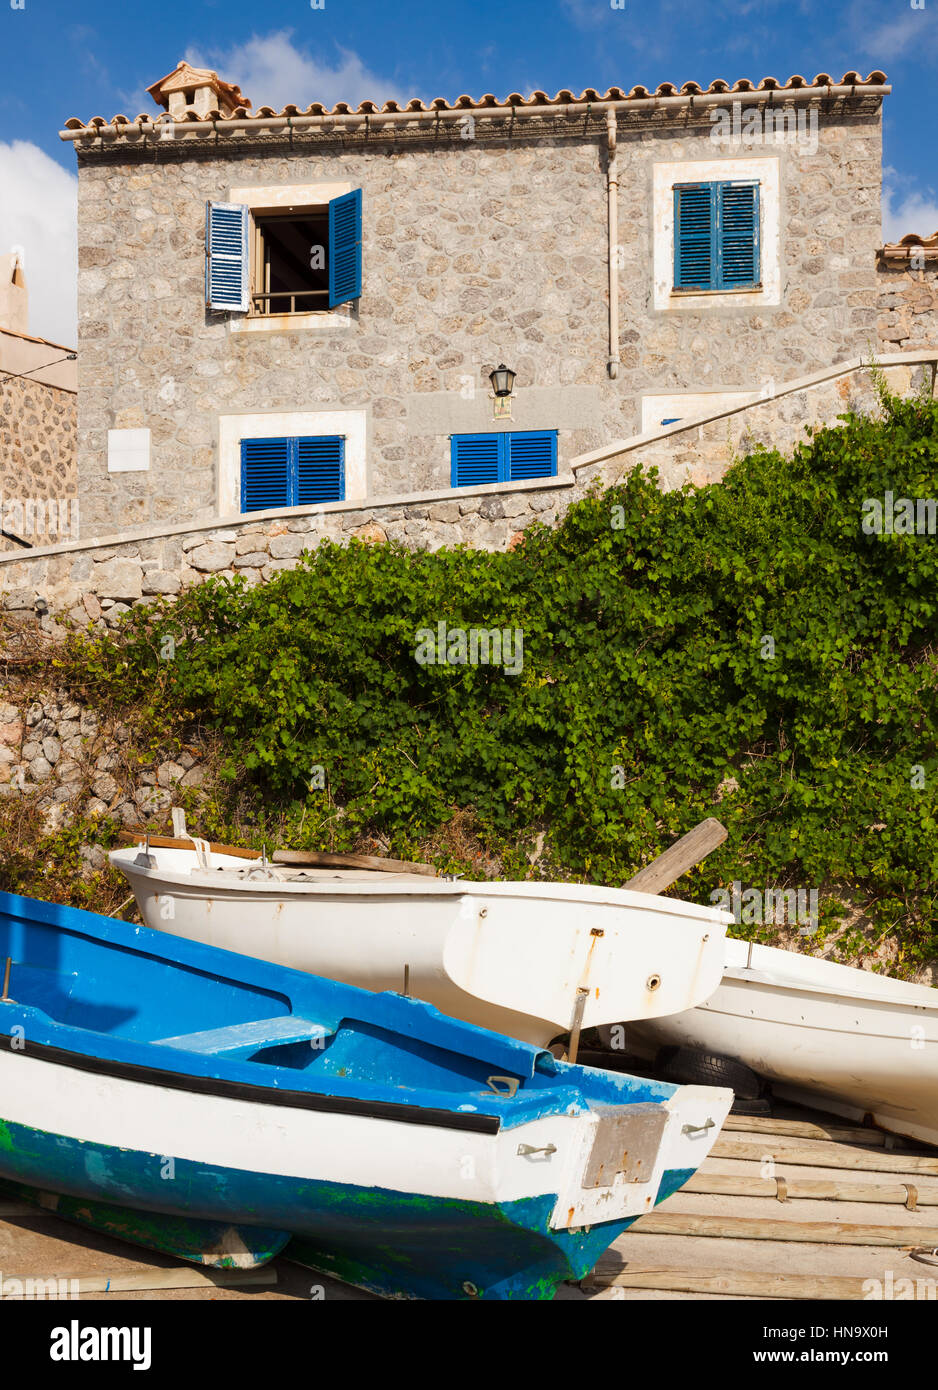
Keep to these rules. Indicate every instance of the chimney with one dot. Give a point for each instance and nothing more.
(199, 90)
(14, 296)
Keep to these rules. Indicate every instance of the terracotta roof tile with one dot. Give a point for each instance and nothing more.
(906, 247)
(564, 97)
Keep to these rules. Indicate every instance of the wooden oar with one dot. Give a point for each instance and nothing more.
(689, 850)
(320, 859)
(310, 858)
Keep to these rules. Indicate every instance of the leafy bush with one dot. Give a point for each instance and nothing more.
(645, 617)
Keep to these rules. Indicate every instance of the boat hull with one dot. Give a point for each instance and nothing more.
(824, 1034)
(396, 1242)
(214, 1106)
(517, 958)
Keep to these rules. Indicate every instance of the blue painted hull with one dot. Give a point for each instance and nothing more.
(395, 1244)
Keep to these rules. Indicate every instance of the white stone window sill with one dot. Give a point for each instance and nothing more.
(692, 294)
(327, 321)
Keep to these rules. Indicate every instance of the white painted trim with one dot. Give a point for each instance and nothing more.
(687, 405)
(233, 428)
(665, 176)
(326, 321)
(287, 196)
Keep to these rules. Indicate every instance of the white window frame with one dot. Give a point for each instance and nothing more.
(288, 197)
(288, 425)
(765, 172)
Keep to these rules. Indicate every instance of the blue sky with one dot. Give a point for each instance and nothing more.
(59, 60)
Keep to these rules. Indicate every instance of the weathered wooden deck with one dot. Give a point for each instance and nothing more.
(795, 1207)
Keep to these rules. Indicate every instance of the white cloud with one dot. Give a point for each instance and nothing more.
(38, 212)
(907, 208)
(273, 71)
(910, 33)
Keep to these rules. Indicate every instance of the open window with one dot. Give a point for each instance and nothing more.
(290, 262)
(283, 261)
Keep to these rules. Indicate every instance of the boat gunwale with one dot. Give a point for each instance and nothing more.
(235, 1089)
(586, 893)
(744, 975)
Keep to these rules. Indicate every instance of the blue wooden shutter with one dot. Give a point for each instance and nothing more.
(227, 270)
(693, 237)
(739, 235)
(531, 455)
(345, 248)
(265, 474)
(474, 459)
(320, 469)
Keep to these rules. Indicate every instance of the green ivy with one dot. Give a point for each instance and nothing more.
(644, 650)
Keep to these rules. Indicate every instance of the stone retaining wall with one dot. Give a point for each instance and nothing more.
(71, 758)
(93, 580)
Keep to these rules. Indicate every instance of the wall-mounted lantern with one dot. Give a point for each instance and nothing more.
(503, 380)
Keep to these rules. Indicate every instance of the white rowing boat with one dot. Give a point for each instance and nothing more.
(824, 1034)
(529, 959)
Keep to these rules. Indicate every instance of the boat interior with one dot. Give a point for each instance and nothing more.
(111, 983)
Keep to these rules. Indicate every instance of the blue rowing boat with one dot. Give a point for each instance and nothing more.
(215, 1106)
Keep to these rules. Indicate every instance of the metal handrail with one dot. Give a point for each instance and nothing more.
(292, 295)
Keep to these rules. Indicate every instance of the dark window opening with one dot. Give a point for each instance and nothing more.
(291, 263)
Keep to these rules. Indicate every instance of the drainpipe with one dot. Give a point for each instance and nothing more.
(612, 200)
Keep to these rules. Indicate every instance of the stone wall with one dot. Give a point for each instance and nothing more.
(474, 252)
(100, 580)
(68, 757)
(908, 306)
(701, 453)
(38, 427)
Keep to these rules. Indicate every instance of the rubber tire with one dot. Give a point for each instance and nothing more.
(692, 1067)
(743, 1106)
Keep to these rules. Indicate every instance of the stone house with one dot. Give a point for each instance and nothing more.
(284, 309)
(38, 425)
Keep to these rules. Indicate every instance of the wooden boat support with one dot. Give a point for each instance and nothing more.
(784, 1189)
(732, 1283)
(666, 1223)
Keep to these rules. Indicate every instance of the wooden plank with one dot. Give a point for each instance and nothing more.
(136, 837)
(671, 1223)
(309, 858)
(820, 1155)
(320, 859)
(125, 1282)
(682, 855)
(16, 1209)
(810, 1189)
(739, 1283)
(804, 1129)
